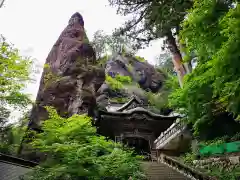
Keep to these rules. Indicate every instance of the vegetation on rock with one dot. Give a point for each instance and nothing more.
(140, 59)
(119, 100)
(118, 82)
(49, 77)
(101, 62)
(160, 100)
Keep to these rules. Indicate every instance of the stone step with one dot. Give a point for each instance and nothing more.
(160, 171)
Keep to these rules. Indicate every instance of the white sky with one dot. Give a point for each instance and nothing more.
(33, 26)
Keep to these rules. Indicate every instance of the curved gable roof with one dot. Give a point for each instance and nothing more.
(126, 105)
(139, 110)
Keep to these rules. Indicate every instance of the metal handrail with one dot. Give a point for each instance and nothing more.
(169, 132)
(179, 124)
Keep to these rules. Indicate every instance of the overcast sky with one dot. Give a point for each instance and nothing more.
(33, 26)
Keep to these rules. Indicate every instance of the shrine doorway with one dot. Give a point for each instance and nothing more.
(140, 145)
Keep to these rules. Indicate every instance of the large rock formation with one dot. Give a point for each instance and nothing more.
(144, 77)
(140, 71)
(73, 84)
(70, 80)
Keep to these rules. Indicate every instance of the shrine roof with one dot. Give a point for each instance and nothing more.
(138, 110)
(135, 106)
(134, 99)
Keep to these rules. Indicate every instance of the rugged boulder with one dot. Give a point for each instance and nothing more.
(143, 76)
(139, 70)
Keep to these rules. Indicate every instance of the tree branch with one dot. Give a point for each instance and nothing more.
(2, 3)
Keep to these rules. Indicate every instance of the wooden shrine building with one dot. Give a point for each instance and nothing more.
(133, 124)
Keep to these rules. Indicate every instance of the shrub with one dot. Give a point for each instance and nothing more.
(75, 151)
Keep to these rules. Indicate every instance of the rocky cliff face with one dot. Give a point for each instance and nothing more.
(143, 76)
(70, 80)
(74, 84)
(140, 71)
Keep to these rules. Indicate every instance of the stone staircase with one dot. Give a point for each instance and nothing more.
(160, 171)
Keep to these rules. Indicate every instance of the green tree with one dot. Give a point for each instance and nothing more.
(151, 20)
(212, 32)
(164, 61)
(75, 151)
(109, 44)
(160, 100)
(99, 43)
(11, 134)
(14, 76)
(5, 130)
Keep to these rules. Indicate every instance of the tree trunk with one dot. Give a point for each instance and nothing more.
(176, 57)
(187, 65)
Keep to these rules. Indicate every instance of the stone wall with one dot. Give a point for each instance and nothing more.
(225, 161)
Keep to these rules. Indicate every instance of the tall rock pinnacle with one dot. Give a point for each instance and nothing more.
(70, 79)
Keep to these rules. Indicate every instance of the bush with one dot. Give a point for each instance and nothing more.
(118, 82)
(75, 151)
(189, 157)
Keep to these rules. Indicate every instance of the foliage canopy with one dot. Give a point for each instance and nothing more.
(150, 20)
(75, 151)
(14, 75)
(108, 44)
(212, 32)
